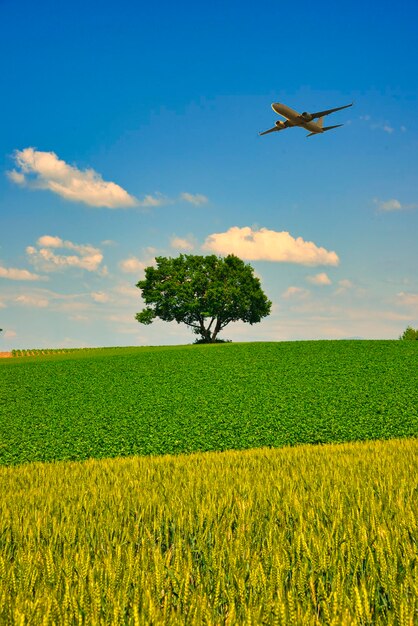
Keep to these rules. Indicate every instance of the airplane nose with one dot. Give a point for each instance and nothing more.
(275, 106)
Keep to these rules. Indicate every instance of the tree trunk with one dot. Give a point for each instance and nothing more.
(204, 332)
(216, 330)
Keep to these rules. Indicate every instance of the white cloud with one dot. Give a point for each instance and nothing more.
(295, 292)
(343, 286)
(9, 334)
(50, 242)
(388, 205)
(268, 245)
(345, 283)
(127, 290)
(100, 296)
(16, 177)
(123, 318)
(319, 279)
(32, 301)
(181, 243)
(408, 299)
(13, 273)
(379, 125)
(44, 170)
(85, 256)
(387, 128)
(157, 200)
(196, 199)
(392, 205)
(132, 265)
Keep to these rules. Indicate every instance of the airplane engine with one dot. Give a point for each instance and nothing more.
(307, 117)
(280, 124)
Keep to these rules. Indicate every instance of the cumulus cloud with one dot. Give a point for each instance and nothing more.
(13, 273)
(83, 256)
(132, 265)
(196, 198)
(268, 245)
(32, 301)
(100, 296)
(181, 243)
(295, 292)
(319, 279)
(392, 205)
(151, 201)
(44, 170)
(343, 286)
(78, 318)
(407, 298)
(50, 242)
(127, 290)
(388, 205)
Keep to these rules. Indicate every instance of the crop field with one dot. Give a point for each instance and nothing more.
(165, 400)
(298, 535)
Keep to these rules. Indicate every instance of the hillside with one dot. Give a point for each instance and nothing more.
(159, 400)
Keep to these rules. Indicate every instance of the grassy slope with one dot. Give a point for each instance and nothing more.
(125, 401)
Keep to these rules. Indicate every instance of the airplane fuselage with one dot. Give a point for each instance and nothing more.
(296, 119)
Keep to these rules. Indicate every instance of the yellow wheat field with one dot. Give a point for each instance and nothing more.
(307, 535)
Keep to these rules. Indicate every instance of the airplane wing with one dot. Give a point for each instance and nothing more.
(321, 113)
(270, 130)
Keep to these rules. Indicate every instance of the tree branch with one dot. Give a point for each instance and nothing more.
(211, 322)
(192, 325)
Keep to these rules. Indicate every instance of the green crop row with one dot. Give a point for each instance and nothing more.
(309, 535)
(40, 352)
(45, 351)
(144, 401)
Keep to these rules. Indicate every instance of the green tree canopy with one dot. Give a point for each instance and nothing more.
(205, 293)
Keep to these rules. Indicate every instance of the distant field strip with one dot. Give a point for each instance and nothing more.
(305, 535)
(127, 401)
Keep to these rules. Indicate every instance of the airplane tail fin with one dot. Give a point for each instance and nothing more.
(324, 128)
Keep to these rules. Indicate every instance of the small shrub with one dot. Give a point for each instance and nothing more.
(410, 334)
(216, 341)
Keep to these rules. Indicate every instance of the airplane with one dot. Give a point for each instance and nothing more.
(304, 120)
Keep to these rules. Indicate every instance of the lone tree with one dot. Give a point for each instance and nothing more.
(204, 292)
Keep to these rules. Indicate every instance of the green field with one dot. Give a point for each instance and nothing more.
(306, 535)
(142, 401)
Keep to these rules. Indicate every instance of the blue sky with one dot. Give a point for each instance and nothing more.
(129, 130)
